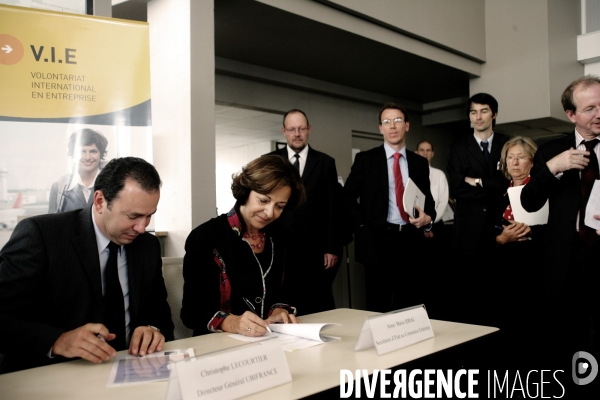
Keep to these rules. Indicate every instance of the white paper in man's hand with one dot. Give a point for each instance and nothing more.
(593, 207)
(413, 197)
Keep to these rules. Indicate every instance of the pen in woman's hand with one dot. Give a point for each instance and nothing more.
(251, 308)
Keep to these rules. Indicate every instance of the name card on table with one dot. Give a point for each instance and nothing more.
(233, 374)
(395, 330)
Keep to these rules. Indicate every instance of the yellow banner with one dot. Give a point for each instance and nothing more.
(58, 65)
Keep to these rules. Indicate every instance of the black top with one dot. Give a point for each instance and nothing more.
(212, 291)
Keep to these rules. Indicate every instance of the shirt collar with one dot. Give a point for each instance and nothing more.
(389, 152)
(302, 153)
(580, 139)
(489, 140)
(76, 180)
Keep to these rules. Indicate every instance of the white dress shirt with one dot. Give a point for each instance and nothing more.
(439, 191)
(86, 190)
(302, 160)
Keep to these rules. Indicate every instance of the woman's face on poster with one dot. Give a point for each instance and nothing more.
(89, 159)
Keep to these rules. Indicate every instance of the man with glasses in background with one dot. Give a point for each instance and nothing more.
(316, 246)
(389, 238)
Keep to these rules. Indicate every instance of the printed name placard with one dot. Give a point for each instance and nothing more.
(395, 330)
(233, 374)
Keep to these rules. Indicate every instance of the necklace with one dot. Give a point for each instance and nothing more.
(260, 236)
(264, 274)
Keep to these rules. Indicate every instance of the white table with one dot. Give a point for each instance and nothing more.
(313, 370)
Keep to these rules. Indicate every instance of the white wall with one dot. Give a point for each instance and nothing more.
(531, 56)
(229, 161)
(588, 52)
(183, 121)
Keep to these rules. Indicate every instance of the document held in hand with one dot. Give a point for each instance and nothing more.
(539, 217)
(593, 207)
(412, 197)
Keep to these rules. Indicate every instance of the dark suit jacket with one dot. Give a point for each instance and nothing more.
(564, 196)
(50, 283)
(368, 180)
(477, 208)
(320, 217)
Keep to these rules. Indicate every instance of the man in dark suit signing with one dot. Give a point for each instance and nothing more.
(563, 174)
(315, 248)
(478, 187)
(86, 283)
(389, 238)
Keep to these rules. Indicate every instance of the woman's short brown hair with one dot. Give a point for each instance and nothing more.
(527, 147)
(265, 174)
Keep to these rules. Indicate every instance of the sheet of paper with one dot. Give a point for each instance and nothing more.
(412, 197)
(539, 217)
(244, 338)
(306, 331)
(154, 367)
(593, 207)
(291, 343)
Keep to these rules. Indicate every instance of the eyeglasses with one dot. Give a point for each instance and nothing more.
(300, 130)
(513, 158)
(389, 121)
(589, 110)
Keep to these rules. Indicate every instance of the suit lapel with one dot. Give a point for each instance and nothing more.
(311, 162)
(497, 146)
(79, 194)
(135, 269)
(84, 243)
(474, 148)
(571, 142)
(382, 167)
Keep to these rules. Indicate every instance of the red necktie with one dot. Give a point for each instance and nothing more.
(399, 186)
(588, 176)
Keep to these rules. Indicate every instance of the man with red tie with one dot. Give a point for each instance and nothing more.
(388, 237)
(563, 174)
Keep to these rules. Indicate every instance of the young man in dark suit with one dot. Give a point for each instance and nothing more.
(388, 237)
(316, 244)
(478, 187)
(563, 174)
(87, 283)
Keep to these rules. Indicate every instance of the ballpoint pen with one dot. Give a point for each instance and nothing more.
(251, 308)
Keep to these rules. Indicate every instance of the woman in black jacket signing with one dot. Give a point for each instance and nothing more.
(238, 258)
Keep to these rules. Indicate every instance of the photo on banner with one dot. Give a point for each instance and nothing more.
(76, 94)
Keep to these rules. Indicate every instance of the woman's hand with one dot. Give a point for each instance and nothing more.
(281, 315)
(247, 324)
(514, 232)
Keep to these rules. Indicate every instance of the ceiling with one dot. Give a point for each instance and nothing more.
(258, 34)
(255, 33)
